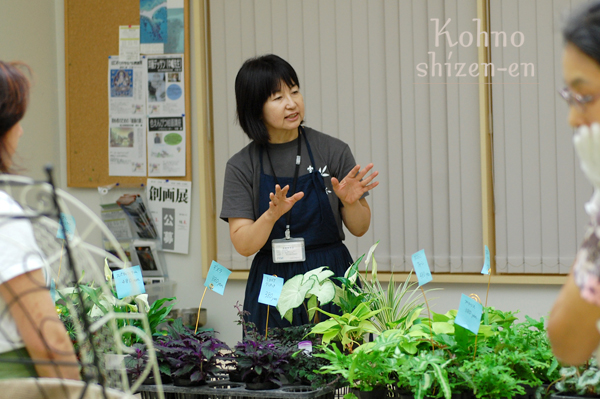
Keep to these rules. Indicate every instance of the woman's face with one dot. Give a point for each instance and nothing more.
(582, 77)
(284, 110)
(11, 140)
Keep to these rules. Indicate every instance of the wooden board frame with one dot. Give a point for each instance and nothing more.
(91, 36)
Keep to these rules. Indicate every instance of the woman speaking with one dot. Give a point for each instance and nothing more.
(287, 193)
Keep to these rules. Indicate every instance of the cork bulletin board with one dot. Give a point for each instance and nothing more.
(91, 36)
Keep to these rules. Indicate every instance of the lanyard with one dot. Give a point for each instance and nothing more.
(288, 217)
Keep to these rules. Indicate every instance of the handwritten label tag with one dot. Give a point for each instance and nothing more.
(69, 222)
(421, 266)
(217, 276)
(129, 281)
(469, 314)
(486, 263)
(270, 290)
(53, 290)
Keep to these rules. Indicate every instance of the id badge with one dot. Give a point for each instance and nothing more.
(288, 250)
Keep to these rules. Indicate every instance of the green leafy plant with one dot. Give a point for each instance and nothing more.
(365, 370)
(424, 374)
(292, 335)
(348, 328)
(580, 380)
(399, 303)
(157, 314)
(530, 352)
(303, 369)
(313, 286)
(492, 376)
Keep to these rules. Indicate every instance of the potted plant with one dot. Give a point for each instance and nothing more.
(135, 364)
(578, 381)
(303, 367)
(190, 359)
(400, 304)
(368, 370)
(349, 328)
(311, 289)
(262, 363)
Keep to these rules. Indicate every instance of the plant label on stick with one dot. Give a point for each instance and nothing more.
(469, 314)
(217, 276)
(270, 290)
(129, 281)
(421, 266)
(68, 221)
(53, 290)
(486, 263)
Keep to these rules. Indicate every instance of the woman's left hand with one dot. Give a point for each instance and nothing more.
(354, 185)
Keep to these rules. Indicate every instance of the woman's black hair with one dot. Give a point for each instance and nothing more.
(582, 29)
(256, 81)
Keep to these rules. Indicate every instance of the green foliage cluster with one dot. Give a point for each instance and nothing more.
(581, 380)
(430, 356)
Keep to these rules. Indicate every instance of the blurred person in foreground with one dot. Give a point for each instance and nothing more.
(33, 340)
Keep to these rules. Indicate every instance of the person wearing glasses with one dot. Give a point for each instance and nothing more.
(574, 319)
(287, 193)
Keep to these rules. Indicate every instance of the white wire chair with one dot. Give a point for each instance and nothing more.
(76, 267)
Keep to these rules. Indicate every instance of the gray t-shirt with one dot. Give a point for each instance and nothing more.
(242, 174)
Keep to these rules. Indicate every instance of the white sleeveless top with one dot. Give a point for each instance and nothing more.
(19, 254)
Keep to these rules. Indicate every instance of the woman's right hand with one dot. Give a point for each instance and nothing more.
(248, 236)
(280, 203)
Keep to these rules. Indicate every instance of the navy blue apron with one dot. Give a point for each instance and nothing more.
(312, 219)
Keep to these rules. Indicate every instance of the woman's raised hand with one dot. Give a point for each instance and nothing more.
(280, 203)
(355, 184)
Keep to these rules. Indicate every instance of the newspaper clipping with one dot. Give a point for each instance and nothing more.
(166, 146)
(165, 85)
(129, 42)
(127, 146)
(126, 87)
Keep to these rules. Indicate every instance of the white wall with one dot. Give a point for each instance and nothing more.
(36, 23)
(27, 34)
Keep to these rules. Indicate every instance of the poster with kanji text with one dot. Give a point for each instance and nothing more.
(169, 202)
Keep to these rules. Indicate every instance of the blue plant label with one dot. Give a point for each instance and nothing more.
(217, 278)
(469, 314)
(270, 290)
(69, 222)
(129, 281)
(486, 263)
(421, 266)
(53, 290)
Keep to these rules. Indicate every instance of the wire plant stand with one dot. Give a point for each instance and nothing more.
(76, 279)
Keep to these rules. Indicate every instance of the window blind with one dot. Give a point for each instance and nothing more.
(357, 64)
(539, 187)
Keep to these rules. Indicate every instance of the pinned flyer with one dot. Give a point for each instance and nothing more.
(469, 314)
(270, 290)
(421, 266)
(129, 281)
(68, 221)
(486, 263)
(217, 278)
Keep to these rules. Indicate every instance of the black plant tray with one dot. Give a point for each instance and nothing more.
(234, 390)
